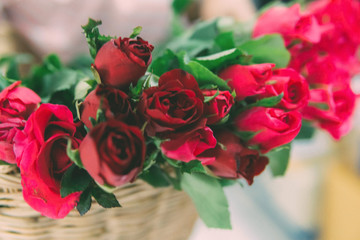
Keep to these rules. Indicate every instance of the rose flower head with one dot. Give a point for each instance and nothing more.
(123, 61)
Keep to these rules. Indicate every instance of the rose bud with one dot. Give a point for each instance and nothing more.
(114, 103)
(190, 145)
(113, 153)
(247, 80)
(339, 107)
(40, 150)
(272, 127)
(174, 106)
(123, 61)
(292, 85)
(16, 104)
(236, 160)
(219, 107)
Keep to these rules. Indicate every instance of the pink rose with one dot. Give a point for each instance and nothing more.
(290, 23)
(123, 61)
(247, 80)
(272, 127)
(236, 161)
(189, 146)
(219, 107)
(40, 150)
(292, 84)
(16, 104)
(331, 109)
(115, 104)
(113, 153)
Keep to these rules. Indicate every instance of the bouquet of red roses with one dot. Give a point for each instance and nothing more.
(214, 107)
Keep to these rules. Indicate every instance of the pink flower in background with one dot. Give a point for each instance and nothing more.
(123, 61)
(247, 80)
(272, 127)
(236, 160)
(290, 23)
(40, 150)
(16, 104)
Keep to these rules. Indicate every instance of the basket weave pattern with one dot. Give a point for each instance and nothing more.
(146, 213)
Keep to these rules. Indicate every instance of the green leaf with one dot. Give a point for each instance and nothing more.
(220, 59)
(279, 159)
(209, 98)
(75, 179)
(245, 135)
(104, 199)
(164, 63)
(209, 199)
(136, 32)
(203, 75)
(93, 37)
(268, 102)
(135, 92)
(5, 82)
(268, 49)
(206, 30)
(225, 40)
(156, 177)
(193, 166)
(84, 203)
(83, 88)
(73, 154)
(179, 6)
(307, 131)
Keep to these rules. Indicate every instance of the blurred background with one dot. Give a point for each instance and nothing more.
(318, 198)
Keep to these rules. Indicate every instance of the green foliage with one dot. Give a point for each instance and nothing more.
(268, 102)
(75, 179)
(11, 64)
(164, 63)
(73, 154)
(307, 131)
(84, 203)
(209, 199)
(225, 41)
(136, 32)
(179, 6)
(5, 82)
(93, 37)
(279, 159)
(267, 49)
(104, 199)
(156, 177)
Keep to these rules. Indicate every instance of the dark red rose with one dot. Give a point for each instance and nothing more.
(331, 109)
(123, 61)
(113, 153)
(115, 104)
(190, 145)
(175, 106)
(292, 85)
(247, 80)
(16, 104)
(219, 107)
(40, 150)
(236, 161)
(272, 127)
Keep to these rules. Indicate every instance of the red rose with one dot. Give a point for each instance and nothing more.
(290, 23)
(16, 104)
(113, 153)
(247, 80)
(115, 104)
(219, 107)
(121, 62)
(190, 145)
(292, 84)
(175, 106)
(40, 150)
(331, 109)
(236, 161)
(272, 127)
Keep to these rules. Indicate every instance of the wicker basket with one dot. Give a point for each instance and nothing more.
(147, 213)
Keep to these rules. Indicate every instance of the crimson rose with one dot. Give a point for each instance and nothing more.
(16, 104)
(236, 160)
(123, 61)
(113, 153)
(272, 127)
(219, 107)
(40, 150)
(174, 106)
(115, 104)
